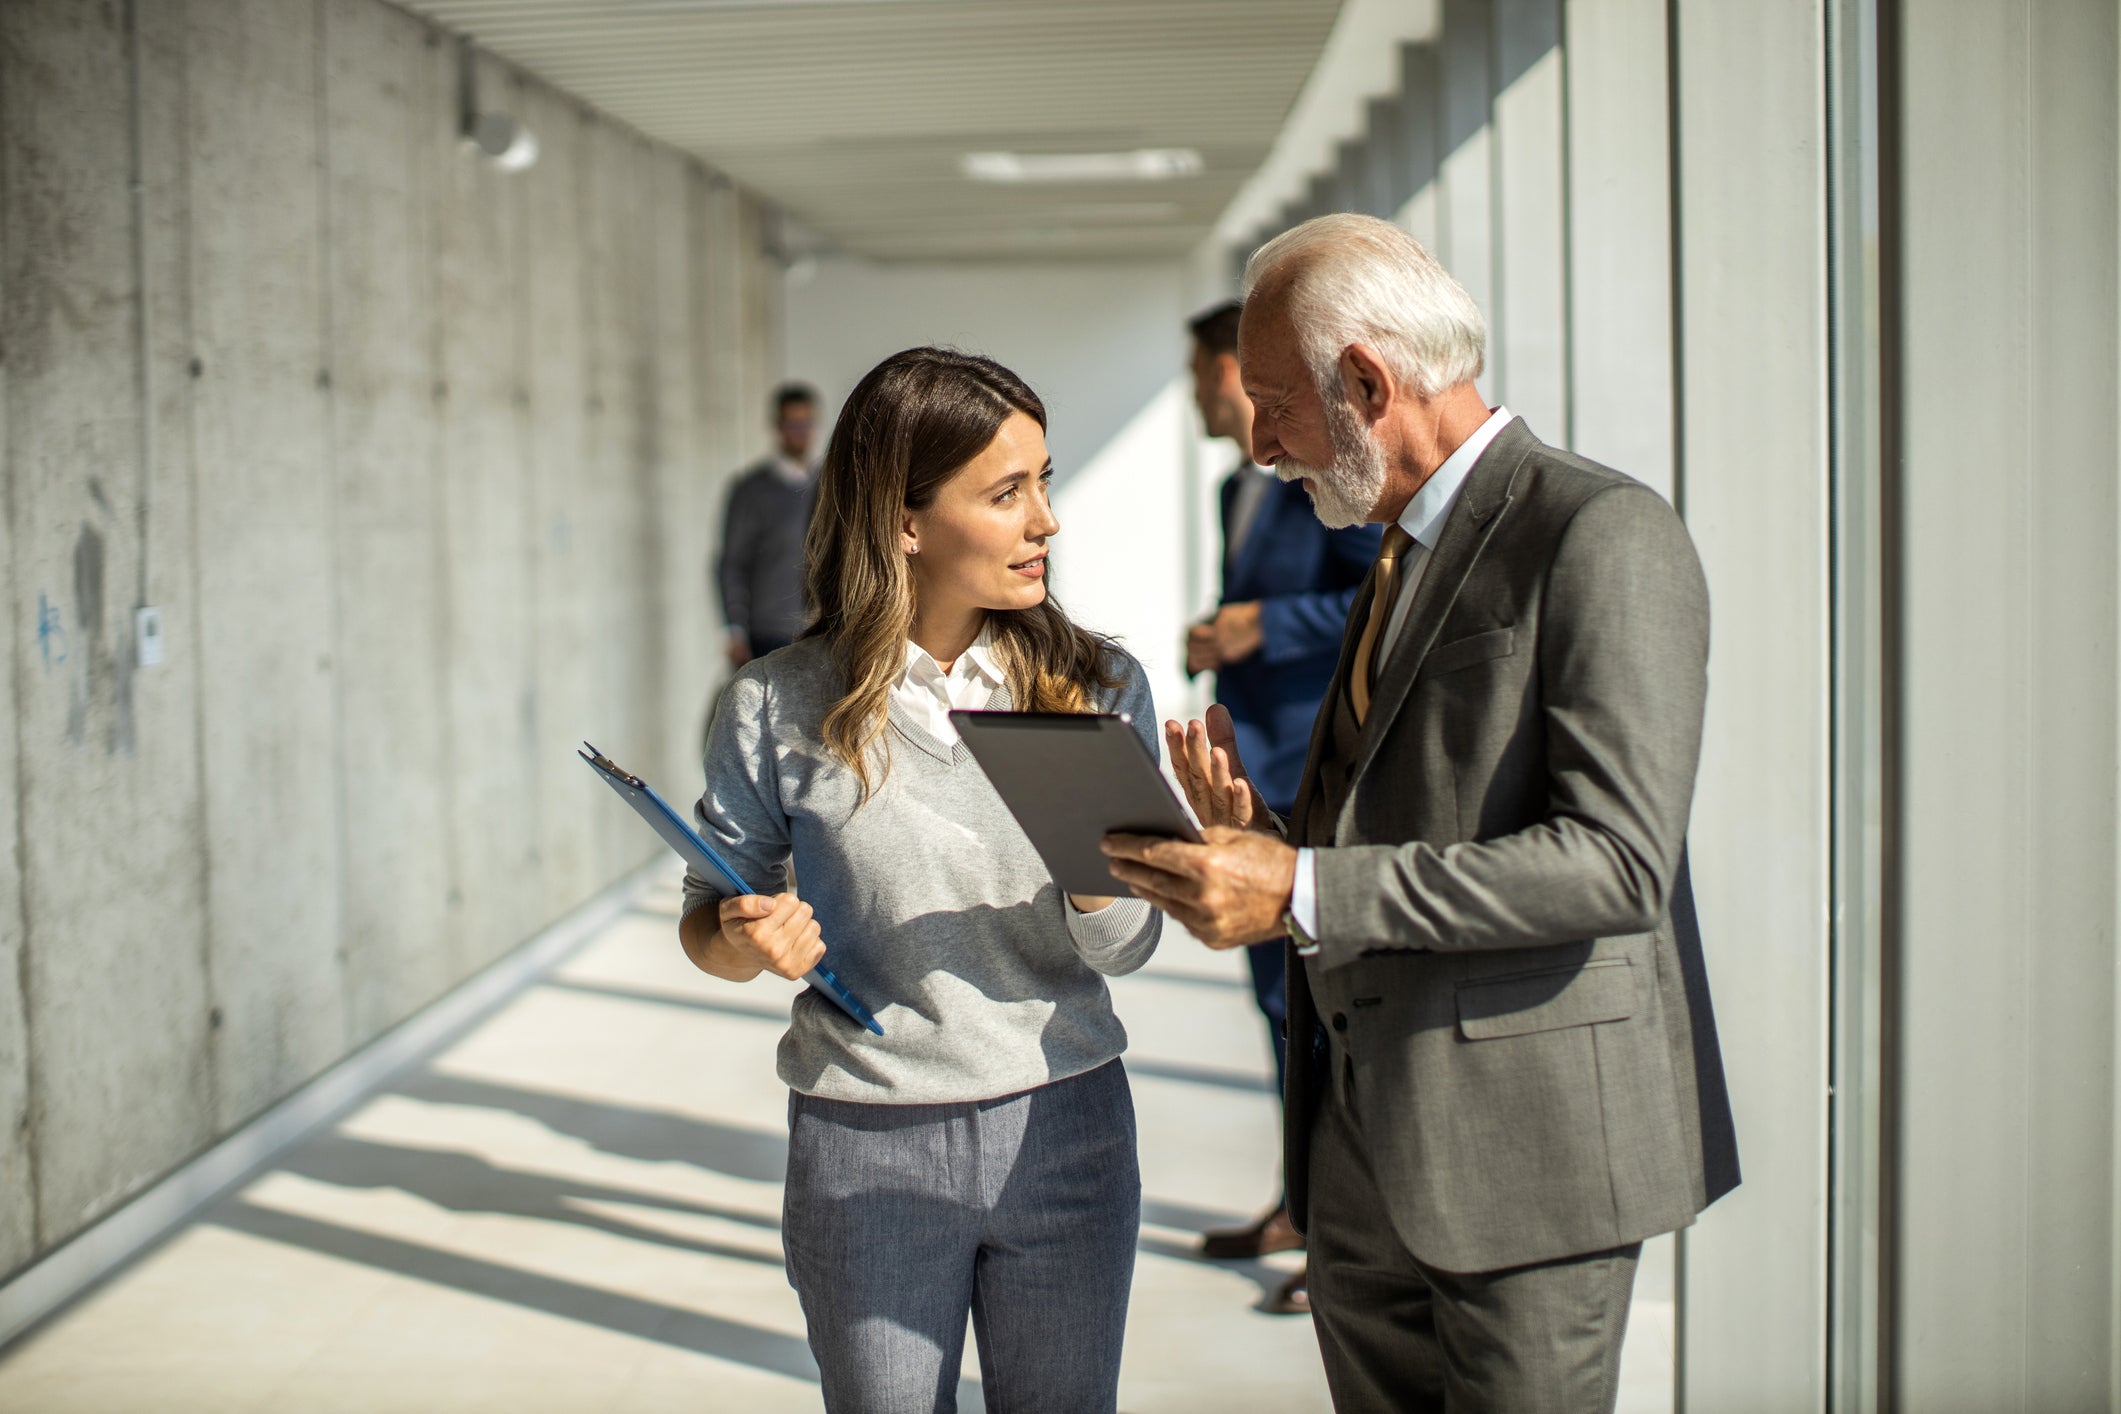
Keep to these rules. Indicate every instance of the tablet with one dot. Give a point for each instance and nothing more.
(1070, 779)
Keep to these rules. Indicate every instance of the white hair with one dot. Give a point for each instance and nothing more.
(1353, 279)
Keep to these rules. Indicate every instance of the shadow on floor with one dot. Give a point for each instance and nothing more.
(462, 1182)
(1267, 1279)
(652, 1136)
(465, 1183)
(1191, 1217)
(614, 1311)
(696, 1331)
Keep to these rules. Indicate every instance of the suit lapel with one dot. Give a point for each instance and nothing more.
(1482, 504)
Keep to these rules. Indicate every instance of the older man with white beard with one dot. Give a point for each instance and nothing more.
(1503, 1071)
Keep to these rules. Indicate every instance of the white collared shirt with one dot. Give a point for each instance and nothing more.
(1423, 519)
(790, 470)
(928, 694)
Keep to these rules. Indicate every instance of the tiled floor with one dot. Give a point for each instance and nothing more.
(576, 1207)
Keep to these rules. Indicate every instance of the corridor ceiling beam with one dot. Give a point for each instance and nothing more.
(855, 116)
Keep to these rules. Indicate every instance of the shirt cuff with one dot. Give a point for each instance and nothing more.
(1303, 899)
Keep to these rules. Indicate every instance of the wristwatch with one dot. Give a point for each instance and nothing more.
(1306, 945)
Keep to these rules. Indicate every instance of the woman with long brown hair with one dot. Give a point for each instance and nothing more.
(980, 1154)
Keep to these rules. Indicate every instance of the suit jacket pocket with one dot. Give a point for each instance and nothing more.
(1547, 1001)
(1465, 652)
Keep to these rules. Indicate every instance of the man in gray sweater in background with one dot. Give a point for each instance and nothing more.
(760, 567)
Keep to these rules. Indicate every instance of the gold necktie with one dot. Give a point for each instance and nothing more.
(1363, 671)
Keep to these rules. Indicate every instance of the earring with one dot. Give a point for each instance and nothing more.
(913, 549)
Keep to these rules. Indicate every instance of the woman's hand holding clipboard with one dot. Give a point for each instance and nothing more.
(710, 866)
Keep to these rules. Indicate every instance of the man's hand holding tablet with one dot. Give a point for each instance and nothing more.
(1090, 797)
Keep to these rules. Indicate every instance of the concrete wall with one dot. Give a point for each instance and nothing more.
(419, 463)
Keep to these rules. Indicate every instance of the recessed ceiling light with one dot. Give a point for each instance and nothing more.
(1148, 164)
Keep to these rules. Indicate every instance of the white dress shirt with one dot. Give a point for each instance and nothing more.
(929, 695)
(1423, 519)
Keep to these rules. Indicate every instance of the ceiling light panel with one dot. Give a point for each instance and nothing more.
(1146, 164)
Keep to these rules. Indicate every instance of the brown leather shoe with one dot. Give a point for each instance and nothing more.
(1272, 1233)
(1292, 1297)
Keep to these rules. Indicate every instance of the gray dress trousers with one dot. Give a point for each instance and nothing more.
(1023, 1210)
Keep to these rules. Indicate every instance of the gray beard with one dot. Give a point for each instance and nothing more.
(1345, 492)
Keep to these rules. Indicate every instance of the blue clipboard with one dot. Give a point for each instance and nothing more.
(696, 852)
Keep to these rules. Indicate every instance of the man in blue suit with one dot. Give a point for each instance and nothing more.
(1288, 583)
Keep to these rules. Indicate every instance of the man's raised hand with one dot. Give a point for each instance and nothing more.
(1204, 757)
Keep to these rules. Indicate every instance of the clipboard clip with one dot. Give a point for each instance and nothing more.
(609, 767)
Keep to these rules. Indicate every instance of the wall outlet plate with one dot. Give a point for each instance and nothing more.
(148, 623)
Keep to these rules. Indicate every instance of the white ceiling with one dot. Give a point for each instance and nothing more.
(852, 115)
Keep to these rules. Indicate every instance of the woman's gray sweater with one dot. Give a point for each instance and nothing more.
(933, 906)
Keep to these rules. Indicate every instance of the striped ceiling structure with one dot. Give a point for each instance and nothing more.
(856, 116)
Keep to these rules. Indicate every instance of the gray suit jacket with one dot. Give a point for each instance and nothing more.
(1508, 955)
(759, 569)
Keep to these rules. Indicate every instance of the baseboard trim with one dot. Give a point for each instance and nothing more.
(68, 1271)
